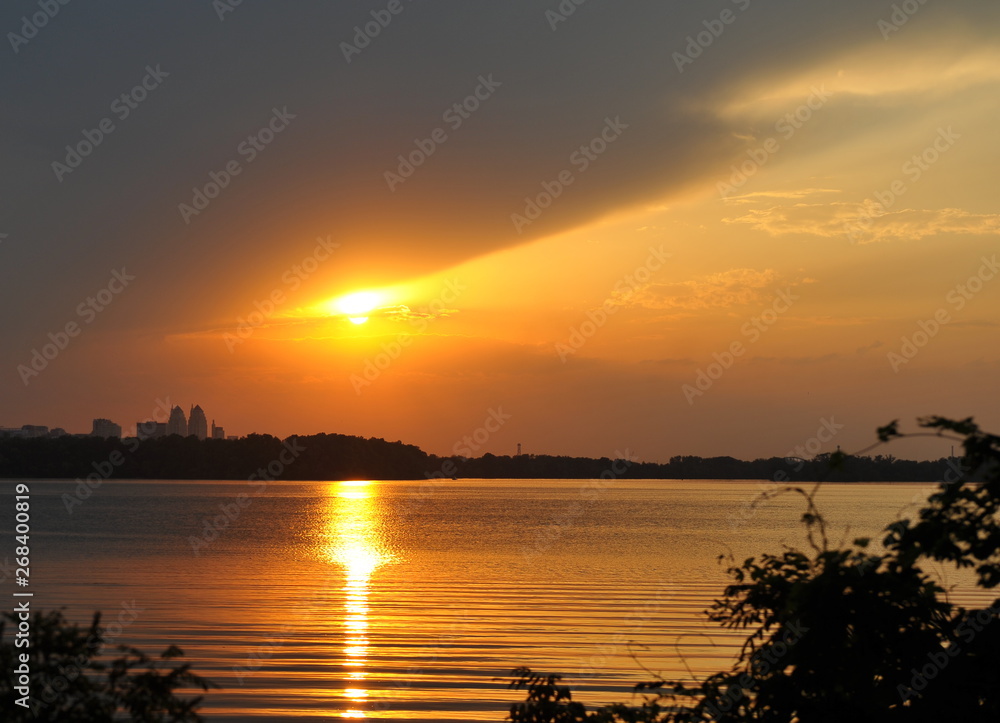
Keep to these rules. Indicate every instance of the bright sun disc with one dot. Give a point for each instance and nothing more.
(356, 305)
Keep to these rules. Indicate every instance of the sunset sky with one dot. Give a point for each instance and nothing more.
(663, 227)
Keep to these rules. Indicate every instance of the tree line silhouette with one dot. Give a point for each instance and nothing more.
(338, 456)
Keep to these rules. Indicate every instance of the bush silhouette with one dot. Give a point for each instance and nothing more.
(845, 635)
(69, 683)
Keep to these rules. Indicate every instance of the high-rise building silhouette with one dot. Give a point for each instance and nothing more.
(197, 424)
(106, 428)
(218, 432)
(177, 424)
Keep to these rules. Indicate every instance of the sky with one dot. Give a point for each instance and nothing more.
(591, 228)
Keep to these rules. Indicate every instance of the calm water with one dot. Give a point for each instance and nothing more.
(397, 601)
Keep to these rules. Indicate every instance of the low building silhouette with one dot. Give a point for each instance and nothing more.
(26, 431)
(106, 428)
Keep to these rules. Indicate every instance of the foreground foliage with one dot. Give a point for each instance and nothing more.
(844, 634)
(69, 683)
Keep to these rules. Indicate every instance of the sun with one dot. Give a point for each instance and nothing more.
(357, 305)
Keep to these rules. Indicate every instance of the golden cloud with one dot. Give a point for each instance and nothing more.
(866, 222)
(734, 287)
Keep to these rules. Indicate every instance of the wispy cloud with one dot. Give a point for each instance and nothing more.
(680, 361)
(862, 350)
(794, 194)
(402, 312)
(303, 324)
(797, 360)
(727, 288)
(832, 220)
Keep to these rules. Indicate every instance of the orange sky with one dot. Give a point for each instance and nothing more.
(749, 248)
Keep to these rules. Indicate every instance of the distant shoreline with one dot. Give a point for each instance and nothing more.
(336, 456)
(759, 482)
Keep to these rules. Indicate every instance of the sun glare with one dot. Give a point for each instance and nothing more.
(356, 306)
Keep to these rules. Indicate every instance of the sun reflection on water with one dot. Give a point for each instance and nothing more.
(354, 542)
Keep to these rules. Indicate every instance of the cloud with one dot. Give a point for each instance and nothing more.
(402, 312)
(797, 360)
(912, 224)
(678, 361)
(801, 193)
(876, 72)
(862, 350)
(734, 287)
(305, 324)
(975, 323)
(840, 320)
(866, 222)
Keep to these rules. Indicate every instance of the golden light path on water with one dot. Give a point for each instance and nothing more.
(354, 543)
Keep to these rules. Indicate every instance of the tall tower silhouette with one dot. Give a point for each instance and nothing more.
(197, 423)
(177, 424)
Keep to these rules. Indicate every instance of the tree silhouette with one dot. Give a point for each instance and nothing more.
(840, 635)
(69, 682)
